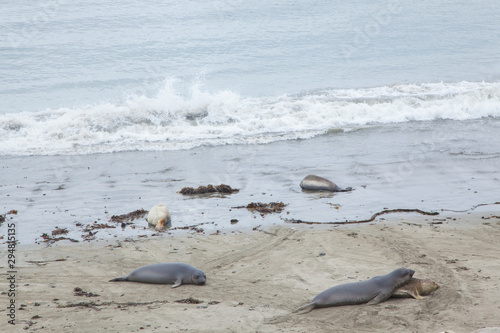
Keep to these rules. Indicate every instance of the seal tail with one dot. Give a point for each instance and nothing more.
(124, 278)
(347, 189)
(307, 308)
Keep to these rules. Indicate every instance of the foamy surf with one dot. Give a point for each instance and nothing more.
(172, 121)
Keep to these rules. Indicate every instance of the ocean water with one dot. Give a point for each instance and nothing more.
(399, 99)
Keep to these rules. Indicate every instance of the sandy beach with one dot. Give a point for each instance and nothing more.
(256, 279)
(108, 109)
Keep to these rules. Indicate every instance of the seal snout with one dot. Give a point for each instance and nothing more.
(200, 278)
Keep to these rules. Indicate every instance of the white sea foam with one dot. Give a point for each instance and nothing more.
(170, 120)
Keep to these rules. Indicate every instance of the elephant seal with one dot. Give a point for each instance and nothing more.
(166, 273)
(316, 183)
(159, 217)
(416, 288)
(372, 291)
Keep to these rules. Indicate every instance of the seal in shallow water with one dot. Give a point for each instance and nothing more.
(159, 217)
(416, 288)
(372, 291)
(166, 273)
(316, 183)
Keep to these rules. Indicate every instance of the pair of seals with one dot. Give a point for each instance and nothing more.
(316, 183)
(166, 273)
(159, 217)
(372, 291)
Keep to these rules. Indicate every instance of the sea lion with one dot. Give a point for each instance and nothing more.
(372, 291)
(166, 273)
(316, 183)
(159, 217)
(416, 288)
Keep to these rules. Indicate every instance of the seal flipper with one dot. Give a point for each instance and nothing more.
(177, 283)
(415, 294)
(308, 308)
(380, 297)
(124, 278)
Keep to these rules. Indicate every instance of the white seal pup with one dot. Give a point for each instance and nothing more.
(176, 273)
(372, 291)
(316, 183)
(159, 217)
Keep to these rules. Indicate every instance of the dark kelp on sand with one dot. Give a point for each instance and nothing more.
(3, 216)
(264, 208)
(222, 188)
(129, 217)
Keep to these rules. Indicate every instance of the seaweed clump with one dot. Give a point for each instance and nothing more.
(265, 208)
(136, 214)
(222, 188)
(79, 292)
(2, 216)
(189, 300)
(56, 236)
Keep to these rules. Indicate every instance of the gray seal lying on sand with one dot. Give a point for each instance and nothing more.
(372, 291)
(166, 273)
(159, 217)
(416, 288)
(316, 183)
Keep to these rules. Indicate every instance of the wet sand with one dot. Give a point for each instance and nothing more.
(389, 168)
(255, 279)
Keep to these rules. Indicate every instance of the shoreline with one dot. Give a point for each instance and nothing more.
(255, 279)
(444, 219)
(382, 164)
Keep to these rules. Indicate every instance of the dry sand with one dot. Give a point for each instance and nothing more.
(256, 279)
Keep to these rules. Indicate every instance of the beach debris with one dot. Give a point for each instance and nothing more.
(28, 323)
(79, 292)
(234, 221)
(265, 208)
(129, 217)
(490, 217)
(385, 211)
(96, 305)
(89, 236)
(43, 263)
(258, 228)
(222, 188)
(95, 225)
(3, 216)
(90, 230)
(189, 300)
(472, 208)
(51, 239)
(194, 227)
(59, 231)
